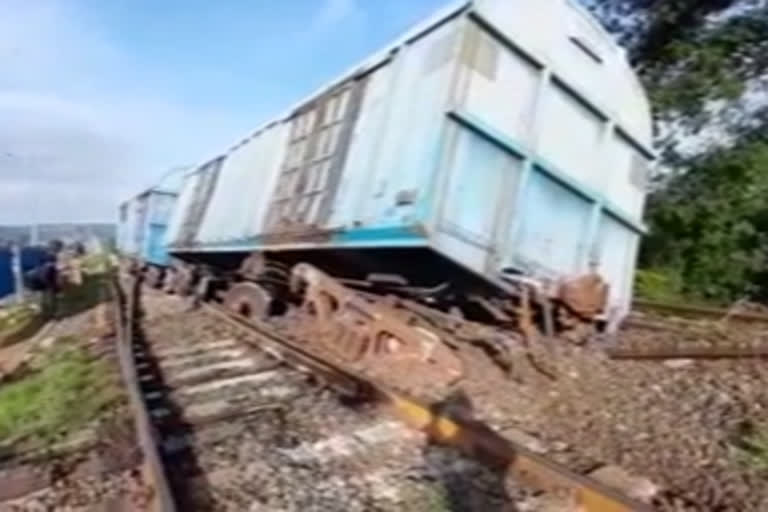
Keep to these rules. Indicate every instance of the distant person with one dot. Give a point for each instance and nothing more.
(44, 278)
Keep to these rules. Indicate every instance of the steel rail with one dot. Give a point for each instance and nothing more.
(470, 436)
(154, 471)
(699, 311)
(682, 352)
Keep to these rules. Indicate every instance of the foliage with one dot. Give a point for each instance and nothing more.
(709, 225)
(658, 284)
(702, 62)
(78, 298)
(96, 262)
(19, 322)
(691, 53)
(67, 392)
(14, 316)
(752, 450)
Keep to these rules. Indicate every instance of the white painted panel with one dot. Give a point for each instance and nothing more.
(617, 252)
(410, 144)
(180, 210)
(160, 207)
(553, 228)
(569, 136)
(533, 25)
(405, 148)
(585, 59)
(365, 148)
(482, 178)
(545, 29)
(466, 254)
(502, 86)
(626, 177)
(243, 188)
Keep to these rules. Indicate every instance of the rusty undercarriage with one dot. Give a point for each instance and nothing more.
(400, 335)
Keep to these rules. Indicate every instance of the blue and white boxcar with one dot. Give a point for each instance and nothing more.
(142, 225)
(509, 138)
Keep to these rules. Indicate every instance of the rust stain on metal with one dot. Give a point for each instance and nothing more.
(248, 299)
(300, 234)
(370, 334)
(585, 295)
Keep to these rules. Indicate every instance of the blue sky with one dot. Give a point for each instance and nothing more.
(99, 97)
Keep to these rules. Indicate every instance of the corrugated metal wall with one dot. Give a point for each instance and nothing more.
(625, 178)
(570, 160)
(570, 136)
(142, 223)
(140, 207)
(498, 84)
(186, 195)
(617, 254)
(393, 155)
(200, 200)
(160, 209)
(411, 141)
(553, 230)
(482, 184)
(245, 180)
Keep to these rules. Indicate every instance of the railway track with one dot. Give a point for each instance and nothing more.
(237, 416)
(697, 333)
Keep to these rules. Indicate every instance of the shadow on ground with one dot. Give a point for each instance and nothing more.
(466, 484)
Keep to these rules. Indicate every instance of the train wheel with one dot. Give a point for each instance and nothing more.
(249, 300)
(183, 281)
(153, 277)
(169, 280)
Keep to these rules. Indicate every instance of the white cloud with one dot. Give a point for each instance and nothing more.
(80, 124)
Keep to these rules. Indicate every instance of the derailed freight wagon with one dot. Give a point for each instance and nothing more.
(495, 144)
(141, 229)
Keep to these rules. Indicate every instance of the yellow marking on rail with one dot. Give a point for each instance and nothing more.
(527, 468)
(417, 416)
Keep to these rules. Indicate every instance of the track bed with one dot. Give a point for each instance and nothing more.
(241, 430)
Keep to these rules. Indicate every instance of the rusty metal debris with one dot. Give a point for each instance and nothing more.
(248, 299)
(183, 280)
(372, 335)
(451, 424)
(584, 295)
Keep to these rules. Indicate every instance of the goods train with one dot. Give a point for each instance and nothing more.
(141, 228)
(497, 146)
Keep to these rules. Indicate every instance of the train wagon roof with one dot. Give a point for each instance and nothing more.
(639, 132)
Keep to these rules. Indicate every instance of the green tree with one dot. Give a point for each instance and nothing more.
(704, 64)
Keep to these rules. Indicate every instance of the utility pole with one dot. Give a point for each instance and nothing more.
(16, 266)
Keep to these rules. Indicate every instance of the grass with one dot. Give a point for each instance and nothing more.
(752, 450)
(659, 285)
(427, 499)
(76, 299)
(15, 316)
(96, 263)
(18, 322)
(66, 393)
